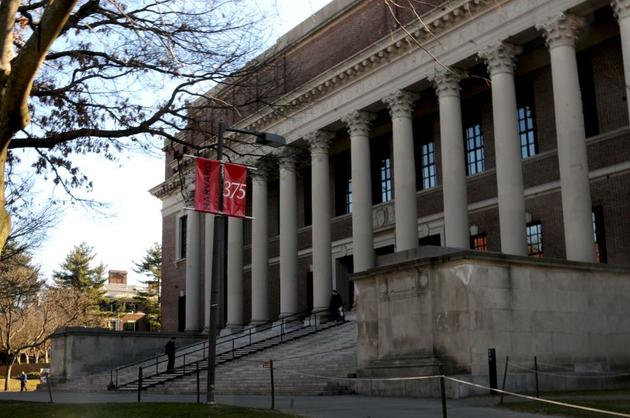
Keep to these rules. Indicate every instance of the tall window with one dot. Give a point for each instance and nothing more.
(534, 239)
(474, 150)
(429, 177)
(349, 196)
(182, 236)
(599, 238)
(386, 180)
(479, 242)
(526, 131)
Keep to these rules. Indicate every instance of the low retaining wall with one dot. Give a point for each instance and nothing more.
(436, 308)
(79, 352)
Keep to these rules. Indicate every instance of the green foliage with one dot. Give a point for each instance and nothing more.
(151, 266)
(78, 273)
(136, 410)
(19, 282)
(77, 270)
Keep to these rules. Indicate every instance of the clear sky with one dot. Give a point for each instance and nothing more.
(135, 222)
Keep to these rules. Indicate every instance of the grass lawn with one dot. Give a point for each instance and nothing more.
(614, 405)
(14, 384)
(141, 410)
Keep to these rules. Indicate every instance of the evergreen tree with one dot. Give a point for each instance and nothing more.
(78, 273)
(151, 266)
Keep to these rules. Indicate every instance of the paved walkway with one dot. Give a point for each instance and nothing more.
(350, 406)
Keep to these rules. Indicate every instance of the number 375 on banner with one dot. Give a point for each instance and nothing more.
(207, 188)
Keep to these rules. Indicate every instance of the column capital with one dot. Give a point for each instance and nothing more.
(621, 8)
(500, 57)
(287, 160)
(561, 30)
(264, 168)
(358, 123)
(319, 141)
(400, 103)
(446, 81)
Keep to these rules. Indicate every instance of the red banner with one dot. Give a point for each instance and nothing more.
(207, 185)
(234, 190)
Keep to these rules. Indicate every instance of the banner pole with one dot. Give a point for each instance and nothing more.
(218, 252)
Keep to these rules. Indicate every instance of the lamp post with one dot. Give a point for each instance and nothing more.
(218, 249)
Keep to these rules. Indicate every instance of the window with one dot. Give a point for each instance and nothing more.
(534, 239)
(526, 131)
(349, 196)
(130, 326)
(599, 239)
(386, 180)
(429, 178)
(474, 150)
(182, 236)
(479, 242)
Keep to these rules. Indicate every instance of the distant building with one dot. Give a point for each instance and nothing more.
(126, 314)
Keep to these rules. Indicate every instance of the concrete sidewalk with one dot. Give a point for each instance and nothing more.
(349, 406)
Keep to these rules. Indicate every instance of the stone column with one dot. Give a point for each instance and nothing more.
(322, 259)
(622, 11)
(193, 273)
(446, 84)
(358, 124)
(235, 273)
(288, 236)
(560, 34)
(207, 265)
(501, 61)
(400, 104)
(260, 246)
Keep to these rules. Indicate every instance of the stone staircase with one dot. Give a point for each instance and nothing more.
(331, 351)
(306, 366)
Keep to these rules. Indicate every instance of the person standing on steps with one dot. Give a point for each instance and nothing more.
(335, 308)
(169, 350)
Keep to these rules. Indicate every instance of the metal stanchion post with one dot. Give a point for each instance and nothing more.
(197, 381)
(492, 370)
(507, 359)
(273, 392)
(443, 395)
(139, 383)
(536, 373)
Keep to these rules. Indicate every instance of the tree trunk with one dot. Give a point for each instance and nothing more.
(7, 375)
(5, 219)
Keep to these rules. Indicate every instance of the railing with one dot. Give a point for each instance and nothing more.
(234, 341)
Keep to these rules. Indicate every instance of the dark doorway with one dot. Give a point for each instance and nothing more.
(430, 240)
(181, 313)
(345, 286)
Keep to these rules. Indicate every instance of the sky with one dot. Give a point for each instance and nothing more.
(134, 222)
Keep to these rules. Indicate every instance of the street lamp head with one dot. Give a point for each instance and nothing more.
(271, 140)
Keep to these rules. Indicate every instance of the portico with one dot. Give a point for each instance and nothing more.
(414, 148)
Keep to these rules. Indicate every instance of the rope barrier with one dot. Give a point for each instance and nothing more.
(359, 379)
(532, 398)
(575, 376)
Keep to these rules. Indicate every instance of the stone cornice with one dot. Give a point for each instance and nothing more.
(561, 30)
(500, 57)
(395, 45)
(621, 8)
(358, 123)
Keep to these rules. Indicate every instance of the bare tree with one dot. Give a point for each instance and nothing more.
(30, 312)
(75, 76)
